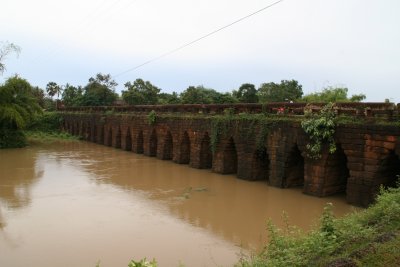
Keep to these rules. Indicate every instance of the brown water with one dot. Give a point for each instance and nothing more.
(77, 203)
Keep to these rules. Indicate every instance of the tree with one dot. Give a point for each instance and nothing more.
(72, 96)
(7, 48)
(53, 89)
(140, 92)
(166, 98)
(202, 95)
(18, 106)
(100, 91)
(247, 93)
(333, 94)
(104, 79)
(224, 98)
(38, 93)
(283, 92)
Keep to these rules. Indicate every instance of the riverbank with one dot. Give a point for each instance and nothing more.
(366, 238)
(40, 136)
(46, 128)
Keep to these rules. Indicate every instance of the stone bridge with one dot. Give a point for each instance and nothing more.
(272, 149)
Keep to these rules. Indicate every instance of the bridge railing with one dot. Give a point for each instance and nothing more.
(364, 109)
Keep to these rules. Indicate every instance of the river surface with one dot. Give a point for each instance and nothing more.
(76, 204)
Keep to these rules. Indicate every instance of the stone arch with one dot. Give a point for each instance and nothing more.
(80, 129)
(86, 131)
(153, 144)
(336, 172)
(389, 169)
(128, 140)
(168, 147)
(184, 149)
(225, 160)
(75, 128)
(205, 152)
(93, 132)
(139, 143)
(117, 138)
(294, 168)
(100, 134)
(260, 164)
(108, 136)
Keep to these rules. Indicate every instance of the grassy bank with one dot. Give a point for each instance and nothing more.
(366, 238)
(46, 128)
(39, 136)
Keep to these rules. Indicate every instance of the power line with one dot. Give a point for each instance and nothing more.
(198, 39)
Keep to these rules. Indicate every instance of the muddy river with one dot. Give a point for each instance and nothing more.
(78, 204)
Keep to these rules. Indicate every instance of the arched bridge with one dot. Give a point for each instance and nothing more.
(272, 148)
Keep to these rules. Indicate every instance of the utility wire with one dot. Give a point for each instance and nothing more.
(196, 40)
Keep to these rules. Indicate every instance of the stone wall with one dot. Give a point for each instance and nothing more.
(366, 157)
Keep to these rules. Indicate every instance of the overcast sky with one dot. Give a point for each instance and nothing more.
(352, 43)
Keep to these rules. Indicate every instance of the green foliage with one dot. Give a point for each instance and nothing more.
(202, 95)
(152, 117)
(245, 124)
(39, 136)
(100, 91)
(53, 89)
(165, 98)
(219, 127)
(18, 105)
(320, 128)
(333, 94)
(143, 263)
(283, 92)
(46, 122)
(140, 93)
(12, 138)
(72, 96)
(363, 238)
(247, 93)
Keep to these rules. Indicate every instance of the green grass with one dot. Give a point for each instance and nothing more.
(366, 238)
(39, 136)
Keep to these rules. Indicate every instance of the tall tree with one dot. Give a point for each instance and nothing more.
(53, 89)
(72, 96)
(333, 94)
(282, 92)
(140, 92)
(7, 48)
(247, 93)
(100, 91)
(18, 106)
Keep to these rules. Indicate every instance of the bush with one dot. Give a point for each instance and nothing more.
(47, 122)
(361, 238)
(11, 138)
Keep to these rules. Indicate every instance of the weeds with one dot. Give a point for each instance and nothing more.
(367, 238)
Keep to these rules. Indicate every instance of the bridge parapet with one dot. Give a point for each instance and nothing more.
(368, 109)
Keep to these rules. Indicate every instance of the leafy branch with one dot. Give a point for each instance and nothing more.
(320, 128)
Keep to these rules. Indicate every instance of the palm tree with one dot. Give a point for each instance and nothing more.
(53, 89)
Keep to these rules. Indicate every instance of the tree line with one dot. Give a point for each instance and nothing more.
(100, 91)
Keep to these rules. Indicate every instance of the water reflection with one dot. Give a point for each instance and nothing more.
(18, 173)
